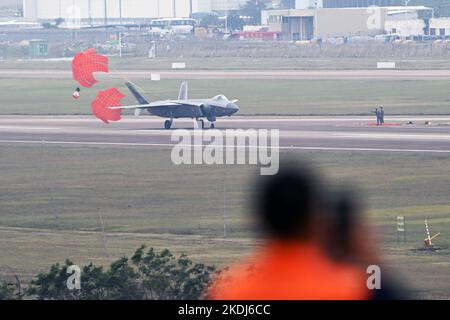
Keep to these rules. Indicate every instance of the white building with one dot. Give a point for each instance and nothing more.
(440, 26)
(307, 24)
(407, 21)
(128, 10)
(98, 9)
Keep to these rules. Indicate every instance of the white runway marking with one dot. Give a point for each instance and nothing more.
(389, 136)
(28, 128)
(132, 144)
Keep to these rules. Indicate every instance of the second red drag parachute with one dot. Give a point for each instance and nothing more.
(84, 64)
(101, 106)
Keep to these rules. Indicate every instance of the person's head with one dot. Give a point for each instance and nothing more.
(343, 217)
(286, 202)
(347, 235)
(381, 108)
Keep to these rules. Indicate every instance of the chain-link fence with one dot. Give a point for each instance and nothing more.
(141, 43)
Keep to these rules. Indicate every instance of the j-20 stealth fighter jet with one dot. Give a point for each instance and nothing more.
(183, 107)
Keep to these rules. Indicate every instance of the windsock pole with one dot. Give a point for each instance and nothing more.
(427, 241)
(428, 230)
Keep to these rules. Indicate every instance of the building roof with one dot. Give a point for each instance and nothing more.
(310, 12)
(408, 8)
(293, 12)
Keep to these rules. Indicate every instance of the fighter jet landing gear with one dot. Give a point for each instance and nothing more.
(213, 125)
(168, 124)
(200, 124)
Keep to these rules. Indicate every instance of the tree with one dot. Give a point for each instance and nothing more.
(52, 285)
(123, 282)
(211, 20)
(252, 9)
(95, 283)
(7, 291)
(235, 22)
(166, 277)
(148, 275)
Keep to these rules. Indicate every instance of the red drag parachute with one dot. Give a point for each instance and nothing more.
(84, 64)
(101, 106)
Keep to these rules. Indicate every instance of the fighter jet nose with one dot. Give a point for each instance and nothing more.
(232, 108)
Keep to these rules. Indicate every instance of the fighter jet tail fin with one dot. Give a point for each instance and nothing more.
(183, 95)
(139, 98)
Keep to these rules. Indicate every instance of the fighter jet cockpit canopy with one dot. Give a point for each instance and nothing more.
(220, 97)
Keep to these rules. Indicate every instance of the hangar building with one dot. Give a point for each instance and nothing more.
(124, 10)
(307, 24)
(322, 23)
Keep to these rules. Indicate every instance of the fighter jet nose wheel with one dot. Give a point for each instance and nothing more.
(213, 125)
(201, 124)
(167, 124)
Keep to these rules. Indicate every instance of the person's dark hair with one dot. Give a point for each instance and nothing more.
(285, 201)
(344, 210)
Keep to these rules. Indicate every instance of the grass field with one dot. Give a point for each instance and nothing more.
(277, 97)
(97, 204)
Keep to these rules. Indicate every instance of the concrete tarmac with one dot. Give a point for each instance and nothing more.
(346, 134)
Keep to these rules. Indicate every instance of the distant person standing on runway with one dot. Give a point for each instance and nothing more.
(378, 114)
(382, 115)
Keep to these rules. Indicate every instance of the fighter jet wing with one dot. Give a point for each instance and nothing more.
(177, 109)
(175, 104)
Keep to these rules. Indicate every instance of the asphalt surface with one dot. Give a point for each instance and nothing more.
(243, 74)
(346, 134)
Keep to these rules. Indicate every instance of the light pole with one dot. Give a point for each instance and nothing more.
(226, 17)
(106, 12)
(90, 12)
(121, 37)
(120, 11)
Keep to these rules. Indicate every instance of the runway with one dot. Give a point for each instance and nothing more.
(242, 74)
(346, 134)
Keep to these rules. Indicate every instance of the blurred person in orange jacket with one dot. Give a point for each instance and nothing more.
(348, 240)
(291, 265)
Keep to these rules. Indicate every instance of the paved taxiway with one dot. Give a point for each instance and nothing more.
(242, 74)
(346, 134)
